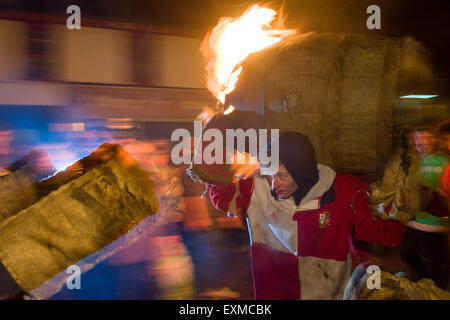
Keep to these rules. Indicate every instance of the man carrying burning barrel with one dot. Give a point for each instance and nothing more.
(301, 219)
(303, 216)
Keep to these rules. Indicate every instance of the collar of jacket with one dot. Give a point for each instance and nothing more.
(323, 189)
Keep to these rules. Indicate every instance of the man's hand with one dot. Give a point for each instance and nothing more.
(244, 165)
(74, 171)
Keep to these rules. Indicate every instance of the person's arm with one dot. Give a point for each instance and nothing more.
(366, 228)
(221, 195)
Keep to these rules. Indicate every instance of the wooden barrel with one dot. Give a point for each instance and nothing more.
(337, 89)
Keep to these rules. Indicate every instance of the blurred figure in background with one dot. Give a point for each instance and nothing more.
(425, 243)
(173, 266)
(433, 162)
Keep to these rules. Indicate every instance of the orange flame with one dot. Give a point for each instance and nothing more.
(232, 40)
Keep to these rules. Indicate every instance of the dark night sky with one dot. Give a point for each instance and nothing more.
(425, 20)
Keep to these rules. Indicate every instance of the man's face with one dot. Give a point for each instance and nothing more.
(282, 183)
(424, 141)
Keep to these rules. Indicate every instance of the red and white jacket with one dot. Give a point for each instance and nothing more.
(304, 251)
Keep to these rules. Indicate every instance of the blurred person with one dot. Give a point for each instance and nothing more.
(425, 244)
(301, 221)
(173, 265)
(433, 163)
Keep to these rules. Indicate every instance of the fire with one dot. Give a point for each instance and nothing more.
(229, 110)
(232, 40)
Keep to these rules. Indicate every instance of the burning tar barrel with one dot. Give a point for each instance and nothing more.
(80, 210)
(337, 89)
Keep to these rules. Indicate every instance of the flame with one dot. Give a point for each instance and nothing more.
(229, 110)
(232, 40)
